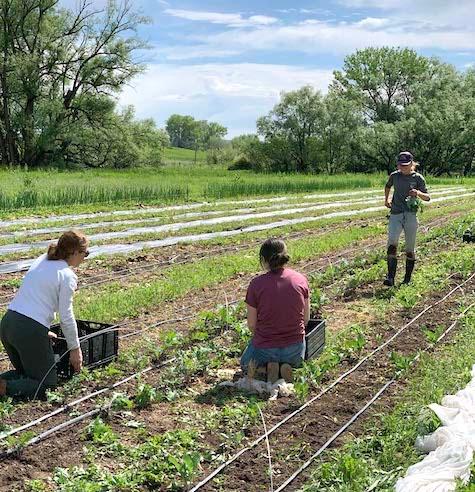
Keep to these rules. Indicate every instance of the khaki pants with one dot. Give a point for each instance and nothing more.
(407, 222)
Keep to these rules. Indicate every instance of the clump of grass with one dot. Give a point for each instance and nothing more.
(289, 184)
(72, 195)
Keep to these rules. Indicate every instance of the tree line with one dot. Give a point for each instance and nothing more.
(61, 72)
(383, 101)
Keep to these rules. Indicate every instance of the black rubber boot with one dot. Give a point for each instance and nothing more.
(392, 266)
(410, 262)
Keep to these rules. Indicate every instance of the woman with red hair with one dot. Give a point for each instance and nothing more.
(48, 288)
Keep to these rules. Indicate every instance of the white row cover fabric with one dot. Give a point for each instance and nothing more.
(279, 388)
(450, 447)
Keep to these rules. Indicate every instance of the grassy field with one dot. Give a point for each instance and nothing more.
(176, 157)
(59, 190)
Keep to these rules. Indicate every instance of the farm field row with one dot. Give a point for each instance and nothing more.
(138, 239)
(116, 299)
(190, 424)
(44, 192)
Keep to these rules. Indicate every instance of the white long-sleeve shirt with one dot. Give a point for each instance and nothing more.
(48, 288)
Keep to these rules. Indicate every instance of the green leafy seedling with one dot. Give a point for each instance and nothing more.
(302, 389)
(145, 396)
(121, 402)
(400, 362)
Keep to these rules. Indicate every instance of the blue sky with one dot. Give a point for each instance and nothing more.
(228, 61)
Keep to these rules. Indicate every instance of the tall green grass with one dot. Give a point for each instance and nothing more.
(240, 186)
(71, 195)
(43, 189)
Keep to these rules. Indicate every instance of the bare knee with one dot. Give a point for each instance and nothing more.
(410, 255)
(392, 250)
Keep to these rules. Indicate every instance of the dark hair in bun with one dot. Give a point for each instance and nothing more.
(274, 253)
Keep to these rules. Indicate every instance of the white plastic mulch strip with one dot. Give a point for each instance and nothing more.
(157, 210)
(450, 447)
(234, 211)
(59, 218)
(111, 249)
(243, 211)
(176, 226)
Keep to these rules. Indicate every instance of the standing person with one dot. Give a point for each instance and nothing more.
(278, 309)
(48, 287)
(408, 186)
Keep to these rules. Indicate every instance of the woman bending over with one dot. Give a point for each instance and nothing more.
(48, 287)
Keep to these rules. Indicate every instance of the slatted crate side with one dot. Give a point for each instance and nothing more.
(314, 338)
(98, 350)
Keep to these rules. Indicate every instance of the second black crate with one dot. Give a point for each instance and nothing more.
(314, 338)
(99, 346)
(468, 236)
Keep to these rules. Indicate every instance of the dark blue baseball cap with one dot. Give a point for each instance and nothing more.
(405, 158)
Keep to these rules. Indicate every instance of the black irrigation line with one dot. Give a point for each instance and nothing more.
(44, 435)
(362, 410)
(338, 380)
(40, 437)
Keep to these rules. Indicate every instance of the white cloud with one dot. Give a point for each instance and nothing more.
(232, 20)
(373, 23)
(314, 37)
(233, 94)
(436, 12)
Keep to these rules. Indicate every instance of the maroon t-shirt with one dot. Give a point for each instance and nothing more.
(279, 298)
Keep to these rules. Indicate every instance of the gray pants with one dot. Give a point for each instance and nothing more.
(29, 348)
(406, 221)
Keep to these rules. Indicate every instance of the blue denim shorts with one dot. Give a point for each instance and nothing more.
(292, 354)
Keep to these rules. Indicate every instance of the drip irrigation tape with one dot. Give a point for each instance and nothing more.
(338, 380)
(344, 427)
(74, 403)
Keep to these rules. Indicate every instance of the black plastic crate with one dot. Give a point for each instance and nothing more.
(314, 338)
(100, 348)
(468, 236)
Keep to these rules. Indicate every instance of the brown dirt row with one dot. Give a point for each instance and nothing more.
(157, 421)
(337, 316)
(299, 438)
(146, 263)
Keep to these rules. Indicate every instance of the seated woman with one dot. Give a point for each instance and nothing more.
(278, 309)
(48, 287)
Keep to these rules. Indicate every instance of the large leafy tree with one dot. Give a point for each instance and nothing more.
(181, 129)
(383, 81)
(58, 73)
(290, 130)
